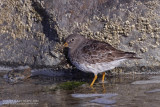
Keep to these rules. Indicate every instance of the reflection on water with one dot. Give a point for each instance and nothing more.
(109, 95)
(118, 91)
(153, 91)
(97, 98)
(103, 100)
(152, 80)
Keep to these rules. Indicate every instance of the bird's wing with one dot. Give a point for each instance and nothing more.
(96, 52)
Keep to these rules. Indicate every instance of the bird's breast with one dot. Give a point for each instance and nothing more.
(97, 67)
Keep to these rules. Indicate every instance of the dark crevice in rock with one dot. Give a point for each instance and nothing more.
(47, 22)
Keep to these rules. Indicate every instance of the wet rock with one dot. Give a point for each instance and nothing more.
(18, 74)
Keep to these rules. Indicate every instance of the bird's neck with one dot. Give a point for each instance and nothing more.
(75, 47)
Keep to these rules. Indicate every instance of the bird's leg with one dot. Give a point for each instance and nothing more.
(95, 77)
(103, 76)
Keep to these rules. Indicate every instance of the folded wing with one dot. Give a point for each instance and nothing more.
(97, 52)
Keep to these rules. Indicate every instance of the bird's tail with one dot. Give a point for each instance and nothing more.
(131, 55)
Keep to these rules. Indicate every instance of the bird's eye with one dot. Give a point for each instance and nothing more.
(72, 39)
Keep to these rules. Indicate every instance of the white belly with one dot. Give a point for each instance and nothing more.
(98, 67)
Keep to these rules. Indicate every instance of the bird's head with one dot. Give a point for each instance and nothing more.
(73, 40)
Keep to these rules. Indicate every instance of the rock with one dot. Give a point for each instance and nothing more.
(32, 31)
(18, 74)
(27, 34)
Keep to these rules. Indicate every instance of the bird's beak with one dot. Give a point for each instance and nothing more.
(66, 44)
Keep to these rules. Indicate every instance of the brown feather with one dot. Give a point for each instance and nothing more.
(93, 51)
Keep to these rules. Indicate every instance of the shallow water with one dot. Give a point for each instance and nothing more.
(117, 91)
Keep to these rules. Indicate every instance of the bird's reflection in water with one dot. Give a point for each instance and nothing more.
(111, 83)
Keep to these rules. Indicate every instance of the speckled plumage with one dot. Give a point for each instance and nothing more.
(94, 56)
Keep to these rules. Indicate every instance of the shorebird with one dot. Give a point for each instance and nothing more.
(94, 56)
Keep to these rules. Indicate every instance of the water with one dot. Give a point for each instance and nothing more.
(118, 91)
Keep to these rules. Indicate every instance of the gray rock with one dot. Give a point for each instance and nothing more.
(32, 31)
(27, 34)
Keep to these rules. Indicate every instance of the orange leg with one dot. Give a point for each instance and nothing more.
(95, 77)
(103, 76)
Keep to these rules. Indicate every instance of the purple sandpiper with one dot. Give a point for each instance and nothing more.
(94, 56)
